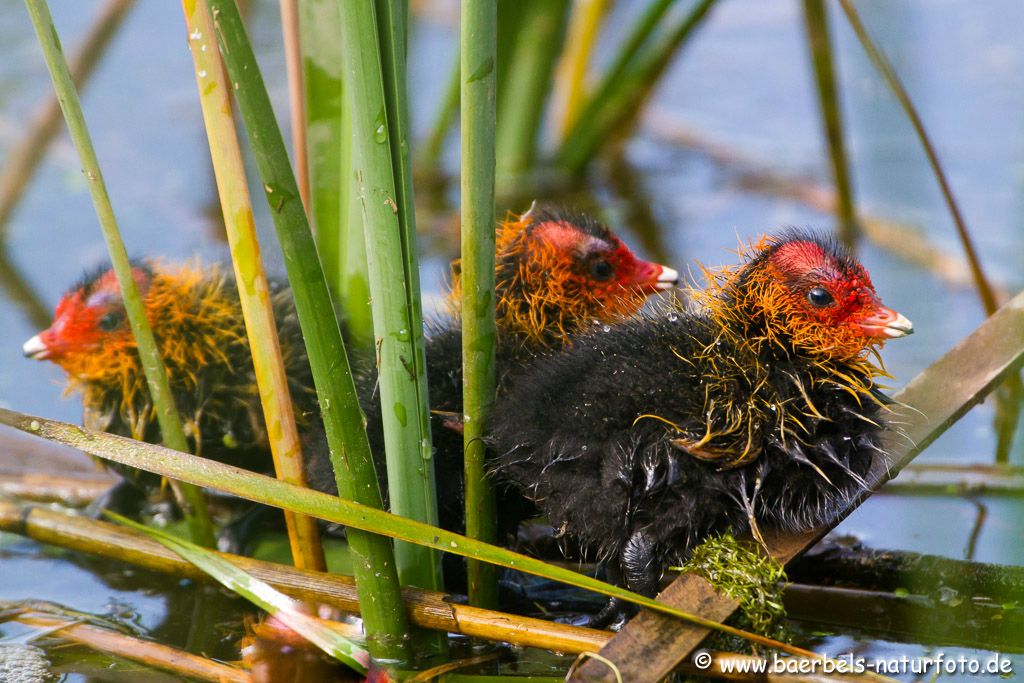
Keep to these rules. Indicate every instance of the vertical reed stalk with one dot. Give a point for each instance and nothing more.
(385, 203)
(171, 430)
(296, 94)
(627, 83)
(820, 44)
(253, 289)
(1008, 400)
(21, 161)
(528, 83)
(571, 78)
(478, 48)
(422, 566)
(373, 561)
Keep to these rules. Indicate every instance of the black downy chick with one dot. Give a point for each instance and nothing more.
(556, 272)
(197, 322)
(759, 411)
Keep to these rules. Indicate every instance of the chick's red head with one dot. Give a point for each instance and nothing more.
(557, 271)
(813, 293)
(193, 321)
(90, 323)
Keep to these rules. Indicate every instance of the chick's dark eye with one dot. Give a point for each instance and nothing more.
(819, 297)
(111, 321)
(601, 270)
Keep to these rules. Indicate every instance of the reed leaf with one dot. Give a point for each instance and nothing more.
(250, 278)
(270, 491)
(171, 429)
(376, 578)
(523, 94)
(820, 44)
(479, 336)
(263, 595)
(1008, 401)
(571, 77)
(628, 82)
(377, 129)
(413, 452)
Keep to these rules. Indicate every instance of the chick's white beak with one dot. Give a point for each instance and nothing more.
(900, 327)
(35, 348)
(668, 279)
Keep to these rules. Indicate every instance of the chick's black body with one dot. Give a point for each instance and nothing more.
(644, 438)
(568, 435)
(556, 272)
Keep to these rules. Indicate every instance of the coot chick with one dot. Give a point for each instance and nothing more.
(759, 410)
(556, 272)
(196, 318)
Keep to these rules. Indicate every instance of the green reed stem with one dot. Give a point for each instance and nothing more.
(377, 127)
(373, 561)
(479, 336)
(171, 429)
(412, 452)
(626, 85)
(820, 44)
(355, 273)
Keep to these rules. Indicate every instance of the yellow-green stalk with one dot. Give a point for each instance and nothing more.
(571, 77)
(251, 280)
